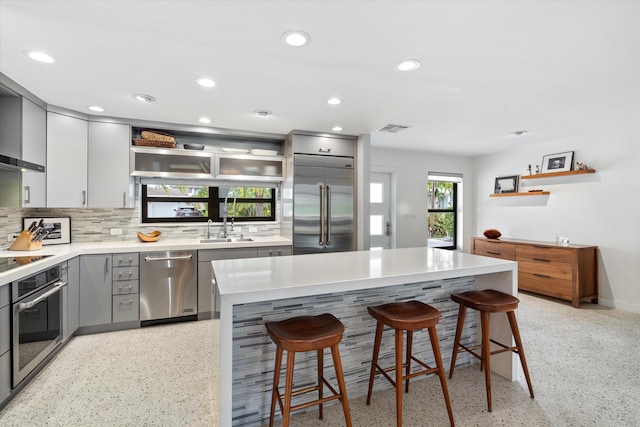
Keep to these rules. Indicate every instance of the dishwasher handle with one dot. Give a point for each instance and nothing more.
(169, 258)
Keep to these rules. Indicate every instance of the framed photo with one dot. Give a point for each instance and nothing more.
(58, 229)
(506, 184)
(560, 162)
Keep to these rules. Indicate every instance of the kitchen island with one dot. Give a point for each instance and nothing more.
(255, 291)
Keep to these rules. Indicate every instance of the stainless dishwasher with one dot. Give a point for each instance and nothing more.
(168, 285)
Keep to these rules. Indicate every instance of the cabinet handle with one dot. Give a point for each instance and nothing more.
(494, 253)
(126, 288)
(27, 194)
(84, 197)
(106, 266)
(541, 275)
(324, 150)
(126, 301)
(541, 247)
(124, 199)
(120, 274)
(541, 260)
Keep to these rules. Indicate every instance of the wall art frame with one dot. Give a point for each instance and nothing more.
(559, 162)
(506, 184)
(59, 229)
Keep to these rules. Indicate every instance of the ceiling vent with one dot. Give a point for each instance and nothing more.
(393, 128)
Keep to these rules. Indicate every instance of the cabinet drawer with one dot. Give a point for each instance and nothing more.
(126, 287)
(274, 251)
(320, 145)
(494, 249)
(125, 308)
(234, 253)
(557, 270)
(125, 273)
(125, 260)
(546, 253)
(546, 285)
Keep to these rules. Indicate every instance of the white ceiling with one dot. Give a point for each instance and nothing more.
(554, 68)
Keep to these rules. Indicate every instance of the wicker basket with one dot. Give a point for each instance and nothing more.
(157, 136)
(151, 143)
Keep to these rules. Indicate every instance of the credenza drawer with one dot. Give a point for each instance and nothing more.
(495, 249)
(544, 253)
(558, 270)
(546, 285)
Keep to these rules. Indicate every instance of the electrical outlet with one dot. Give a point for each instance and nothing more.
(253, 229)
(116, 231)
(238, 229)
(11, 237)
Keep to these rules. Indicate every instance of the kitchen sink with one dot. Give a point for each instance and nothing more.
(227, 240)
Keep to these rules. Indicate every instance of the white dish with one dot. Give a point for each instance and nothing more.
(259, 152)
(235, 150)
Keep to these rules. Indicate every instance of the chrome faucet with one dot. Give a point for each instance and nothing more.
(209, 228)
(225, 214)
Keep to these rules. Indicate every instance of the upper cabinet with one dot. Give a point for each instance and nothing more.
(66, 161)
(249, 168)
(109, 183)
(34, 150)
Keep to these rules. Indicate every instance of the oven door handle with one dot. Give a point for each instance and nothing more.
(56, 288)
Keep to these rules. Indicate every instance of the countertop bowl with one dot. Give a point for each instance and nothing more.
(150, 237)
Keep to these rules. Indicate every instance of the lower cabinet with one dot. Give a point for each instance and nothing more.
(5, 344)
(95, 289)
(71, 298)
(208, 303)
(564, 272)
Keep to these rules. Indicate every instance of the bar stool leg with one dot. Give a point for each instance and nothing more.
(433, 336)
(408, 359)
(337, 363)
(276, 380)
(486, 353)
(320, 377)
(462, 311)
(399, 338)
(286, 414)
(516, 335)
(374, 358)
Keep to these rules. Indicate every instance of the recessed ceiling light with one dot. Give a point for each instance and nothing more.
(408, 65)
(96, 108)
(262, 113)
(205, 82)
(143, 98)
(337, 128)
(204, 120)
(518, 132)
(334, 101)
(296, 38)
(40, 56)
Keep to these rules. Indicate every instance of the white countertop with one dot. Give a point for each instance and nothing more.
(62, 253)
(261, 279)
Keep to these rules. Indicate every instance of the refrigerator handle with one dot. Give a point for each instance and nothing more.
(328, 215)
(321, 242)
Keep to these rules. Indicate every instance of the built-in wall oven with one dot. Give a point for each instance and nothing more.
(37, 319)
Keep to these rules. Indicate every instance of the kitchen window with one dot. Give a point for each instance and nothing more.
(193, 203)
(442, 198)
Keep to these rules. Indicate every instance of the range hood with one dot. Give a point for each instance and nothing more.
(12, 163)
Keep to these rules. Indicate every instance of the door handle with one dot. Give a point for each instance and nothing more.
(328, 215)
(321, 242)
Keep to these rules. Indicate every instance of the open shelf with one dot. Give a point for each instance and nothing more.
(556, 174)
(520, 194)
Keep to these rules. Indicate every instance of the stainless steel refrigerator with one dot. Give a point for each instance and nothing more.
(323, 204)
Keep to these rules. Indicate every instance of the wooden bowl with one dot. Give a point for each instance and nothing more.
(151, 237)
(492, 233)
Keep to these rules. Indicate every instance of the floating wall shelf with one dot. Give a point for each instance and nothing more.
(557, 174)
(520, 194)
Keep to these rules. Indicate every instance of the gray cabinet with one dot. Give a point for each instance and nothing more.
(5, 344)
(125, 288)
(34, 150)
(95, 289)
(208, 303)
(109, 183)
(323, 144)
(66, 161)
(71, 298)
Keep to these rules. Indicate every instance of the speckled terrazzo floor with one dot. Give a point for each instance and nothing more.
(584, 364)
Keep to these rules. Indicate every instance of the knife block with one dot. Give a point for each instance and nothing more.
(24, 243)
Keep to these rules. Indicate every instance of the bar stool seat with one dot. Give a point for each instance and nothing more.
(407, 316)
(487, 302)
(302, 334)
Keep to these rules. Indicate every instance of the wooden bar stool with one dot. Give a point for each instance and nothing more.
(407, 316)
(301, 334)
(487, 302)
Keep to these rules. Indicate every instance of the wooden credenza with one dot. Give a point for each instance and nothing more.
(565, 272)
